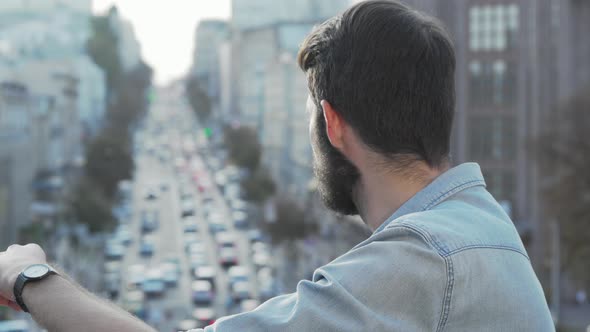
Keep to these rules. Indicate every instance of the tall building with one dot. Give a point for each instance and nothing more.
(516, 60)
(259, 30)
(129, 47)
(16, 167)
(209, 37)
(35, 6)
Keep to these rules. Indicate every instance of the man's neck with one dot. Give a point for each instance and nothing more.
(380, 194)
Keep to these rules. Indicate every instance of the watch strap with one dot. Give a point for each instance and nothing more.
(19, 285)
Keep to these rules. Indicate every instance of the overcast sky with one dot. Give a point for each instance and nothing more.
(165, 29)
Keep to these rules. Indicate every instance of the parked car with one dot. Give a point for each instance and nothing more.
(134, 303)
(187, 208)
(151, 194)
(202, 292)
(153, 285)
(204, 316)
(135, 275)
(170, 274)
(187, 324)
(240, 291)
(228, 257)
(255, 235)
(205, 273)
(225, 240)
(149, 221)
(114, 251)
(147, 247)
(238, 273)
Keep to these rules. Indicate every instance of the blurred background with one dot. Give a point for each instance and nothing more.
(159, 152)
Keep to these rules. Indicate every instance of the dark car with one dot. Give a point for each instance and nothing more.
(149, 222)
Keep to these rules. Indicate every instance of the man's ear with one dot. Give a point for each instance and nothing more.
(334, 125)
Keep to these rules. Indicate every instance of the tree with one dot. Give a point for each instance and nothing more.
(103, 48)
(291, 223)
(563, 153)
(89, 206)
(108, 161)
(198, 98)
(243, 147)
(259, 186)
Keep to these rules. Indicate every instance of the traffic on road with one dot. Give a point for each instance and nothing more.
(187, 250)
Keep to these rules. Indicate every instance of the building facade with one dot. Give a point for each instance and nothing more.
(516, 61)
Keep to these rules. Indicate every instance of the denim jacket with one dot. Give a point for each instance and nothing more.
(449, 259)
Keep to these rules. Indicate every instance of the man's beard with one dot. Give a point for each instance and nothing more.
(335, 174)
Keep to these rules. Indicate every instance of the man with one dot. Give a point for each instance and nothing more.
(443, 256)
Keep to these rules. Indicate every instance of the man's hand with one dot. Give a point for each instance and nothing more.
(12, 262)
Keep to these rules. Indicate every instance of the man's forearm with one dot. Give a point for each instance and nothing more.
(59, 305)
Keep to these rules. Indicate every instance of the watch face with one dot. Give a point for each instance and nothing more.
(36, 271)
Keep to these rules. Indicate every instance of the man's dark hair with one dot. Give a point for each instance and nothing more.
(388, 70)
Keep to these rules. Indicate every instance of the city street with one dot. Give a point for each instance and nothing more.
(169, 237)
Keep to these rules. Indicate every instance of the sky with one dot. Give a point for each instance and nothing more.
(165, 29)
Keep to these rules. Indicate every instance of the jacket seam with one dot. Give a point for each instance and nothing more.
(446, 302)
(488, 247)
(442, 196)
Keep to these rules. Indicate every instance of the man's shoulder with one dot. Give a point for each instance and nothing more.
(454, 226)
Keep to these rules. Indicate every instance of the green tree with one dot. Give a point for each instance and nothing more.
(563, 152)
(198, 98)
(108, 161)
(88, 205)
(259, 186)
(103, 48)
(291, 223)
(243, 147)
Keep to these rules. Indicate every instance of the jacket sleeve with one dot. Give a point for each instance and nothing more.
(394, 283)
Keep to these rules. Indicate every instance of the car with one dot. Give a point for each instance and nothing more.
(189, 238)
(240, 291)
(112, 284)
(134, 303)
(238, 204)
(205, 273)
(261, 259)
(164, 186)
(190, 226)
(187, 208)
(204, 316)
(151, 194)
(240, 219)
(197, 260)
(187, 324)
(114, 251)
(170, 274)
(195, 249)
(255, 235)
(228, 257)
(172, 259)
(238, 273)
(135, 275)
(249, 305)
(225, 240)
(202, 292)
(147, 247)
(112, 267)
(149, 221)
(216, 225)
(153, 285)
(259, 247)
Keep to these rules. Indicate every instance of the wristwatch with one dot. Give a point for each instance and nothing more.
(32, 273)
